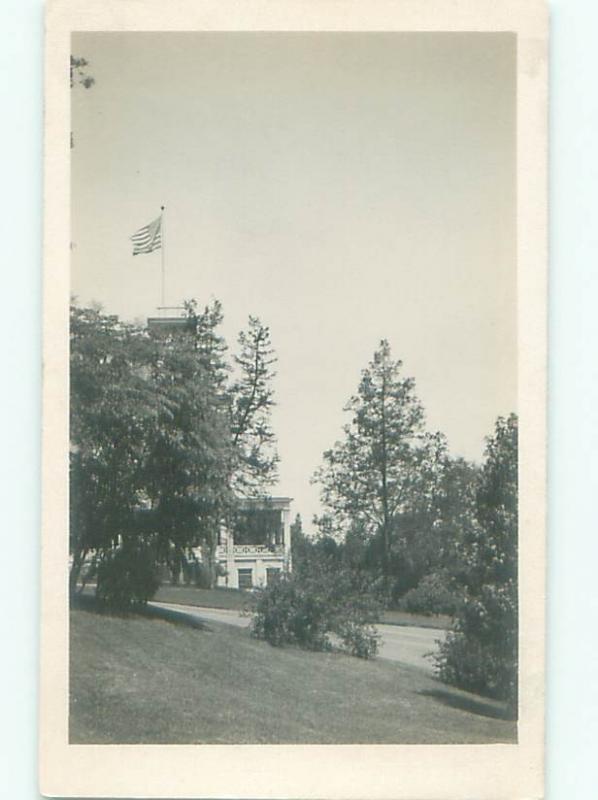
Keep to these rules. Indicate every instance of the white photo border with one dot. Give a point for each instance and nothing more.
(298, 771)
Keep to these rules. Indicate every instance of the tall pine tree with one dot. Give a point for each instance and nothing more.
(385, 468)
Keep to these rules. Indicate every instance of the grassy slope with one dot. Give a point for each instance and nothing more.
(235, 599)
(138, 680)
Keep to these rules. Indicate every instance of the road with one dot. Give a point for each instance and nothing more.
(409, 645)
(405, 645)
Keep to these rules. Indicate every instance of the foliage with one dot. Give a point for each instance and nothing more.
(112, 412)
(189, 448)
(160, 439)
(429, 535)
(210, 347)
(319, 606)
(381, 478)
(196, 572)
(300, 542)
(456, 510)
(79, 76)
(432, 595)
(481, 654)
(78, 73)
(251, 404)
(127, 576)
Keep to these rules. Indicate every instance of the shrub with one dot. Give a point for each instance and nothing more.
(318, 608)
(481, 653)
(489, 668)
(359, 638)
(127, 577)
(432, 595)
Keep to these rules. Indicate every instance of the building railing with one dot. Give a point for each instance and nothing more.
(251, 550)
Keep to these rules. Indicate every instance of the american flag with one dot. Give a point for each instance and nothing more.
(148, 238)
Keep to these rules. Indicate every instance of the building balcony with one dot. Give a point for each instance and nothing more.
(252, 550)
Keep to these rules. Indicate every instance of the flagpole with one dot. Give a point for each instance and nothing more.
(162, 252)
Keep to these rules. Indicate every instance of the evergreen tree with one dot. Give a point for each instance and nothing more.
(252, 400)
(209, 344)
(383, 474)
(299, 541)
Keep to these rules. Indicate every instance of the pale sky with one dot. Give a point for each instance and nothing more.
(343, 187)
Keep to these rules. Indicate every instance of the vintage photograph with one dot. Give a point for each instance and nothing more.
(293, 388)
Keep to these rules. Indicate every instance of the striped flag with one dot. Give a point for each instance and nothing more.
(148, 238)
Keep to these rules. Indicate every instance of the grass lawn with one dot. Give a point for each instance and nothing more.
(208, 598)
(148, 681)
(239, 600)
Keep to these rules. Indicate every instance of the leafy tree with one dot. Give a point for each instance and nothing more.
(150, 445)
(481, 654)
(417, 530)
(429, 533)
(189, 448)
(456, 510)
(433, 594)
(160, 442)
(112, 411)
(381, 478)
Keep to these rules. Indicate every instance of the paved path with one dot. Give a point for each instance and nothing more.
(409, 645)
(406, 645)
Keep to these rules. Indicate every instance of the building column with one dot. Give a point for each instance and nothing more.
(259, 573)
(232, 577)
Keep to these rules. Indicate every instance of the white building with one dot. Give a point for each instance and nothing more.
(258, 548)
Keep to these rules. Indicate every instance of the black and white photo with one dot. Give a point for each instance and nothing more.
(299, 332)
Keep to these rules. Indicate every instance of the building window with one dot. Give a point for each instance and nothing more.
(245, 578)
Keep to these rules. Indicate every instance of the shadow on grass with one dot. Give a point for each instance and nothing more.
(479, 706)
(84, 602)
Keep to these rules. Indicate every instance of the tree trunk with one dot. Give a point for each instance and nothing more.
(209, 560)
(77, 565)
